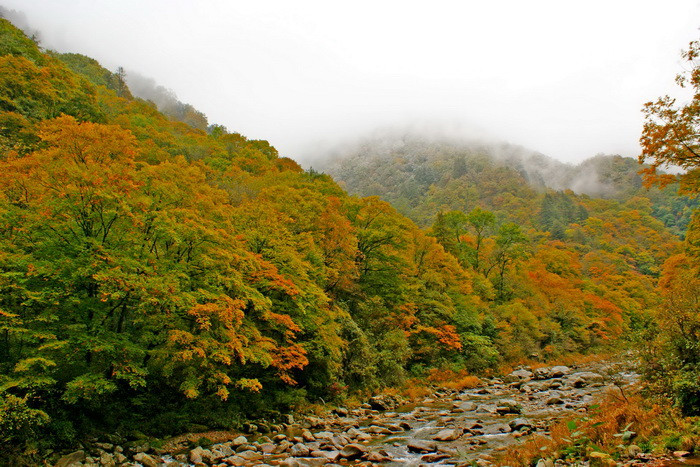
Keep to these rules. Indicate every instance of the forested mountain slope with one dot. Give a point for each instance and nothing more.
(154, 275)
(422, 176)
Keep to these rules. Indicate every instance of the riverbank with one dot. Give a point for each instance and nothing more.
(449, 427)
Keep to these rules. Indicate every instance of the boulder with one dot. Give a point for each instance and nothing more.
(601, 459)
(107, 460)
(353, 451)
(435, 457)
(70, 459)
(378, 430)
(518, 376)
(146, 460)
(447, 435)
(559, 371)
(506, 406)
(239, 441)
(496, 429)
(421, 446)
(585, 378)
(299, 450)
(519, 423)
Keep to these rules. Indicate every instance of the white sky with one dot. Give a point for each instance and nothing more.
(567, 78)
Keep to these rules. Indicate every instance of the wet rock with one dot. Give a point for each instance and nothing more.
(506, 406)
(239, 441)
(396, 428)
(360, 436)
(195, 455)
(383, 402)
(559, 371)
(245, 447)
(496, 429)
(448, 435)
(146, 460)
(72, 458)
(554, 398)
(299, 450)
(249, 456)
(377, 457)
(418, 445)
(107, 460)
(601, 459)
(468, 406)
(435, 457)
(585, 378)
(234, 460)
(250, 427)
(520, 423)
(353, 451)
(378, 430)
(518, 376)
(331, 456)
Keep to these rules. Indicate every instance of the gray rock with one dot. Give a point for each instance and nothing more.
(518, 376)
(559, 371)
(378, 430)
(497, 428)
(353, 451)
(341, 411)
(70, 459)
(323, 435)
(299, 450)
(146, 460)
(519, 423)
(585, 378)
(554, 400)
(248, 455)
(239, 441)
(195, 455)
(508, 406)
(421, 446)
(448, 435)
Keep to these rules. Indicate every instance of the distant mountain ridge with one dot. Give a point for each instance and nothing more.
(606, 176)
(422, 175)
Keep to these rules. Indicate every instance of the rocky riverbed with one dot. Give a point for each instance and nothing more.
(448, 428)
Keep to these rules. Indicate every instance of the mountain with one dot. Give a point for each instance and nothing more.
(422, 176)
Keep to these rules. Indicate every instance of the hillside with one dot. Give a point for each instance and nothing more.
(157, 278)
(422, 176)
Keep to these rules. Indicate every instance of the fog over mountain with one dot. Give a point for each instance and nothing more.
(431, 144)
(563, 78)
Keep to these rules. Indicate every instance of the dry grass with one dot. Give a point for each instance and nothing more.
(450, 379)
(596, 431)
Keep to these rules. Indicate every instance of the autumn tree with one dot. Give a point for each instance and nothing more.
(671, 134)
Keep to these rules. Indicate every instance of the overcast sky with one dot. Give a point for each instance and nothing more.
(562, 77)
